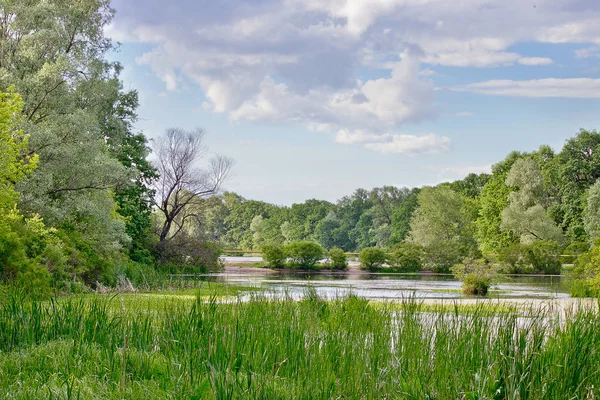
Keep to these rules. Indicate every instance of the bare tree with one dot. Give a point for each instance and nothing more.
(181, 183)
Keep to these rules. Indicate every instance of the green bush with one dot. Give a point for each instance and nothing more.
(305, 254)
(543, 256)
(539, 256)
(338, 258)
(476, 275)
(513, 259)
(372, 258)
(406, 257)
(274, 255)
(475, 285)
(574, 250)
(586, 273)
(35, 281)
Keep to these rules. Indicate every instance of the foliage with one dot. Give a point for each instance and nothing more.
(304, 254)
(544, 256)
(576, 169)
(587, 273)
(443, 226)
(188, 253)
(525, 215)
(477, 275)
(406, 257)
(591, 215)
(274, 255)
(338, 259)
(372, 258)
(514, 260)
(15, 164)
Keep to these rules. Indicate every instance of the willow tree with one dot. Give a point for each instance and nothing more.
(77, 115)
(526, 215)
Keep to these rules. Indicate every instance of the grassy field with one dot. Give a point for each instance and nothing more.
(179, 346)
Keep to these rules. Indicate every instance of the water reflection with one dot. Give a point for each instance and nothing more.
(391, 286)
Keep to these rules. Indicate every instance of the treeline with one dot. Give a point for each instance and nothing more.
(533, 207)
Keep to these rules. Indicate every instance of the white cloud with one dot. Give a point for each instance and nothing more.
(372, 106)
(535, 61)
(412, 145)
(300, 60)
(550, 87)
(584, 30)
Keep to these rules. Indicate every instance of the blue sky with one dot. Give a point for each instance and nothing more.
(316, 98)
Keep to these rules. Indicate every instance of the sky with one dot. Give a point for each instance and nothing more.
(316, 98)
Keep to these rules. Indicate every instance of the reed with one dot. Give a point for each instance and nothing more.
(263, 348)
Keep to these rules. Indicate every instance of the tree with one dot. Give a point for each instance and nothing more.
(577, 167)
(257, 227)
(591, 216)
(15, 164)
(181, 183)
(443, 225)
(525, 215)
(402, 216)
(494, 199)
(79, 120)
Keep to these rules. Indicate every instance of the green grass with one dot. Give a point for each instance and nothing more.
(113, 347)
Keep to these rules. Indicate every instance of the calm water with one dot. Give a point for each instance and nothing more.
(392, 286)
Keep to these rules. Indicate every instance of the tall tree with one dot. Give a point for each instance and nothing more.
(443, 225)
(578, 168)
(181, 183)
(526, 215)
(591, 217)
(75, 111)
(492, 201)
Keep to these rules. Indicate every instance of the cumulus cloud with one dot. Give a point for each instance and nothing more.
(358, 69)
(568, 88)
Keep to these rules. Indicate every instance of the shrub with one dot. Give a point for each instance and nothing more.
(587, 273)
(407, 257)
(188, 253)
(35, 281)
(338, 258)
(372, 258)
(513, 259)
(305, 254)
(544, 256)
(539, 256)
(475, 285)
(476, 275)
(574, 250)
(274, 255)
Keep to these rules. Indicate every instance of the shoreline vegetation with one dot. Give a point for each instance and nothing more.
(113, 347)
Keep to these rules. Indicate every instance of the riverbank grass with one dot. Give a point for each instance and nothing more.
(100, 347)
